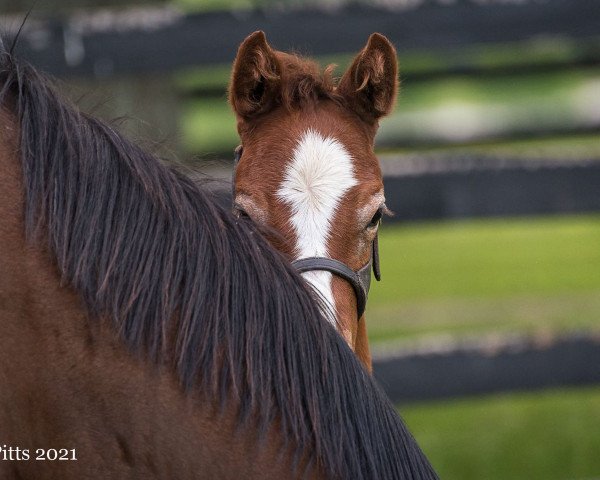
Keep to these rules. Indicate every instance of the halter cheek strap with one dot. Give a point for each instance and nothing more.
(237, 154)
(360, 279)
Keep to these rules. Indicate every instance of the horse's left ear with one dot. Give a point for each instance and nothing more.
(256, 77)
(371, 83)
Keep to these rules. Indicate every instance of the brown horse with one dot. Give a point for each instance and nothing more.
(148, 333)
(307, 170)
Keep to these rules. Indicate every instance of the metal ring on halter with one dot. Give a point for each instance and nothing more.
(360, 279)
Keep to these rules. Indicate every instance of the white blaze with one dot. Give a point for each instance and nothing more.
(315, 181)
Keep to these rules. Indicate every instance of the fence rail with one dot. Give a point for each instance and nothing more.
(490, 367)
(462, 188)
(142, 40)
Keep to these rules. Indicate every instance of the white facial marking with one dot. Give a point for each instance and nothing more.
(315, 181)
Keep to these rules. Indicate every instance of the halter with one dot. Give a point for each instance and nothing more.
(359, 279)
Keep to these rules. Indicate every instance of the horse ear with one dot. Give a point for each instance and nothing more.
(256, 77)
(371, 83)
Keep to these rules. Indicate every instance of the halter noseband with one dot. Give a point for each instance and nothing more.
(360, 279)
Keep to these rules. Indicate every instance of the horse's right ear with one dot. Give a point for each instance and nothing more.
(256, 77)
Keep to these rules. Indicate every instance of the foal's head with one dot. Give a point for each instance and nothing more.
(307, 170)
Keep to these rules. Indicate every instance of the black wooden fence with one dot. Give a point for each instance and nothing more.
(462, 188)
(158, 40)
(490, 367)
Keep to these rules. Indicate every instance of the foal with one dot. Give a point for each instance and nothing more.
(307, 170)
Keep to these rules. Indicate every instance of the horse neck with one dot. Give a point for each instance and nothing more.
(361, 345)
(68, 381)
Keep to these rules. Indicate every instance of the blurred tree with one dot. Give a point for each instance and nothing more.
(119, 95)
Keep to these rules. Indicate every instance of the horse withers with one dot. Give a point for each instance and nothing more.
(146, 333)
(307, 172)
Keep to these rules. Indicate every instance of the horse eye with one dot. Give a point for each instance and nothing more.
(376, 219)
(240, 212)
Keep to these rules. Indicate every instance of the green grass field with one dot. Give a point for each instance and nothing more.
(483, 276)
(526, 275)
(548, 435)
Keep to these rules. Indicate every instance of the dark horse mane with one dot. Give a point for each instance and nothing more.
(186, 284)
